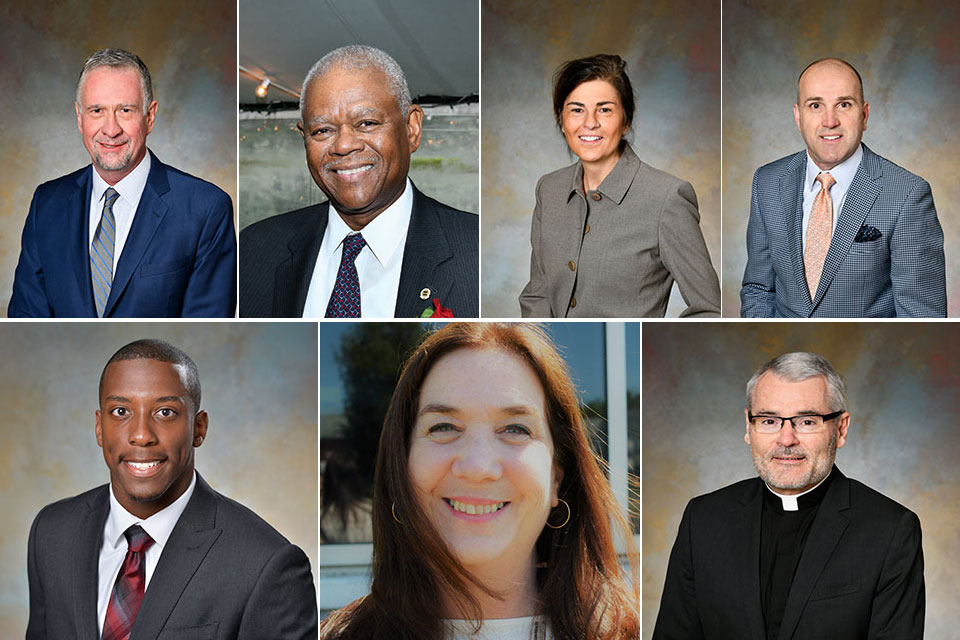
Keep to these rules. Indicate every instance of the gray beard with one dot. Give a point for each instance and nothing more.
(120, 163)
(821, 468)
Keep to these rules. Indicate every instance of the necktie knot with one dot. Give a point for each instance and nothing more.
(352, 246)
(826, 180)
(138, 540)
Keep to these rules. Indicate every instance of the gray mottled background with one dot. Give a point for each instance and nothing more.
(909, 57)
(902, 381)
(259, 388)
(672, 49)
(191, 51)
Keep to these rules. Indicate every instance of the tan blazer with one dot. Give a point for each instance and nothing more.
(616, 251)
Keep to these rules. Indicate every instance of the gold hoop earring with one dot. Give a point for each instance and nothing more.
(561, 526)
(393, 510)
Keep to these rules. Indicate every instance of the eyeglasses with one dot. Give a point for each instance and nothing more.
(810, 423)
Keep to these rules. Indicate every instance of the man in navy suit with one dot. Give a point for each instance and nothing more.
(210, 568)
(868, 244)
(127, 236)
(384, 249)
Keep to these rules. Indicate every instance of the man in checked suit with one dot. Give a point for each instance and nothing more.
(379, 248)
(157, 553)
(867, 244)
(127, 236)
(802, 552)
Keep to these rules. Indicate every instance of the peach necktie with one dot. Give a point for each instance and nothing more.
(819, 232)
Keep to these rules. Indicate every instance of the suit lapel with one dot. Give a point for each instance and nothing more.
(828, 527)
(746, 557)
(791, 203)
(89, 537)
(293, 275)
(78, 227)
(146, 221)
(191, 539)
(861, 195)
(425, 249)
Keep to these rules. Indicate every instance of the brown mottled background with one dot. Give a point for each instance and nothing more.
(259, 388)
(191, 51)
(909, 57)
(902, 381)
(672, 49)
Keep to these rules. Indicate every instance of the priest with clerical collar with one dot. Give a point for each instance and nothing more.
(802, 551)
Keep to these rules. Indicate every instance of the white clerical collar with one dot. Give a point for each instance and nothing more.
(159, 526)
(385, 234)
(790, 503)
(130, 187)
(843, 173)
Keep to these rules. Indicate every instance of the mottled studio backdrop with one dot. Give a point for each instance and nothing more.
(902, 381)
(910, 63)
(259, 388)
(191, 51)
(672, 49)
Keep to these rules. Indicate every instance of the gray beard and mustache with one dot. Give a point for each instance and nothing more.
(818, 471)
(115, 164)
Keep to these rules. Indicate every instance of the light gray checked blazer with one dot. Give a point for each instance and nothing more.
(885, 258)
(618, 256)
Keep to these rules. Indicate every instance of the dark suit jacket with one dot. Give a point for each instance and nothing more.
(899, 272)
(860, 575)
(224, 574)
(178, 261)
(278, 255)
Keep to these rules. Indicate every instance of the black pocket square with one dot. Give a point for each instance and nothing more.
(867, 234)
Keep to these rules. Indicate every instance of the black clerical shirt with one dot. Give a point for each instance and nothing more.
(783, 535)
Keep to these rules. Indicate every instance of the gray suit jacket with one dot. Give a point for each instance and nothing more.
(885, 258)
(617, 254)
(223, 574)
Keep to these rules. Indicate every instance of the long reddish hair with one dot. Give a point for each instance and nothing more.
(582, 592)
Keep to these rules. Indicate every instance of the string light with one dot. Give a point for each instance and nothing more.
(262, 88)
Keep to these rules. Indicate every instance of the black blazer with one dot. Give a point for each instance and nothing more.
(224, 574)
(860, 575)
(278, 255)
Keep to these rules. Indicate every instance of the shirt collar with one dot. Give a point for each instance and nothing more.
(618, 181)
(384, 234)
(793, 503)
(130, 187)
(159, 526)
(843, 173)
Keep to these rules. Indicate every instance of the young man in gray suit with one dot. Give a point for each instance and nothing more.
(379, 248)
(157, 553)
(838, 231)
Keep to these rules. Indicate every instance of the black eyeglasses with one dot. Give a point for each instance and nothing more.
(810, 423)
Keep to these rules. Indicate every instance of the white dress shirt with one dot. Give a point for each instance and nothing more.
(378, 263)
(125, 207)
(843, 173)
(113, 550)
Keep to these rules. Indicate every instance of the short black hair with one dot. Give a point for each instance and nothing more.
(153, 349)
(603, 66)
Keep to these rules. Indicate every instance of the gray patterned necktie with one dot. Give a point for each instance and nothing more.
(101, 252)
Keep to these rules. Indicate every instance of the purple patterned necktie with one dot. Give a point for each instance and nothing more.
(345, 299)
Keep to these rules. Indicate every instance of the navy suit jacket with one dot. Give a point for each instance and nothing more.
(278, 255)
(224, 574)
(885, 258)
(179, 259)
(860, 575)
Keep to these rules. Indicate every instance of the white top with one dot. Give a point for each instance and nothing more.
(159, 526)
(378, 263)
(125, 207)
(505, 629)
(843, 173)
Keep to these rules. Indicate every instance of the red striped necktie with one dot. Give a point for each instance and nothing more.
(127, 593)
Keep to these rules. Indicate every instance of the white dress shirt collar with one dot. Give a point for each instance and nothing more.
(383, 234)
(843, 173)
(159, 526)
(130, 189)
(791, 503)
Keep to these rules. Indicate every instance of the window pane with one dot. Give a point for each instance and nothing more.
(633, 419)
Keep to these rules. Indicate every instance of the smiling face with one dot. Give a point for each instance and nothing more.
(147, 429)
(830, 113)
(593, 122)
(791, 462)
(112, 120)
(481, 457)
(358, 143)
